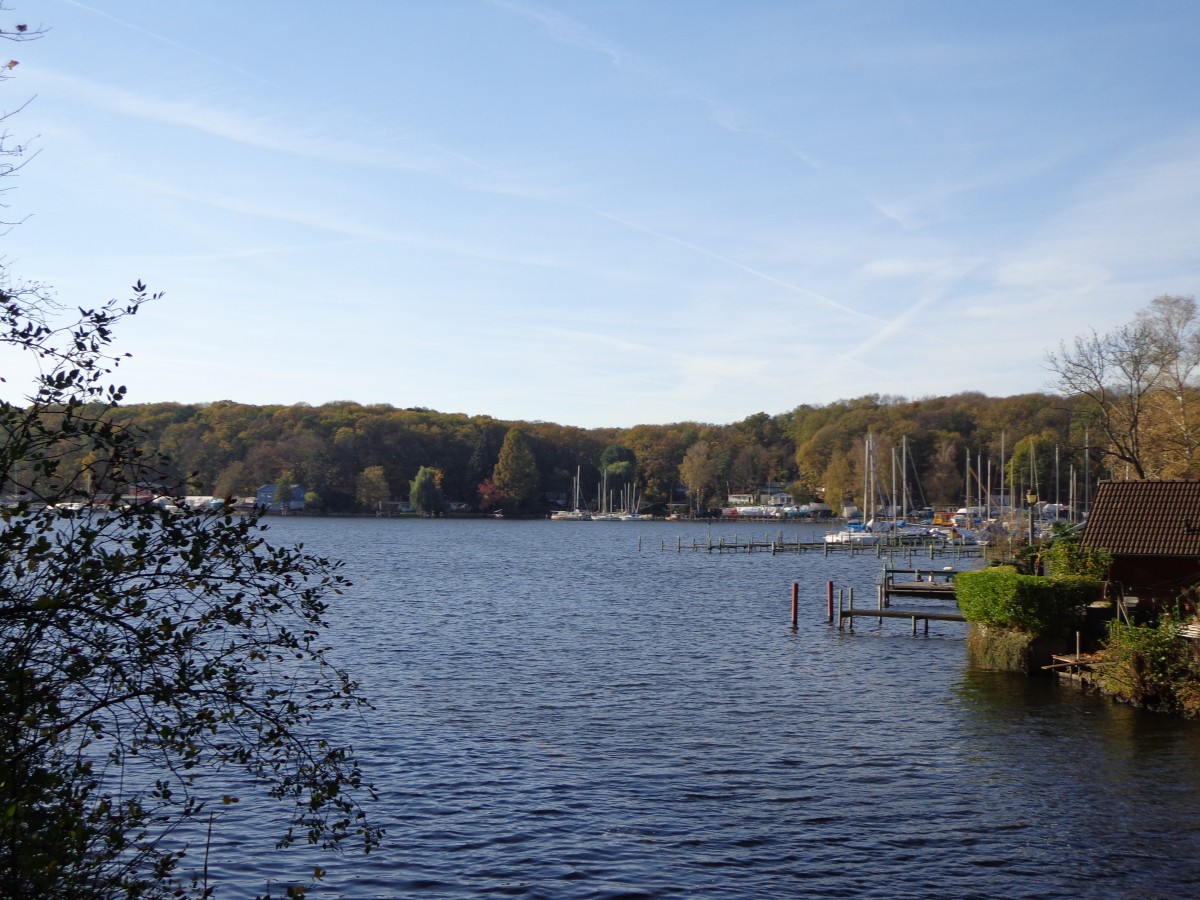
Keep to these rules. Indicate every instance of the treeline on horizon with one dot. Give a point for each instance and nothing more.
(815, 452)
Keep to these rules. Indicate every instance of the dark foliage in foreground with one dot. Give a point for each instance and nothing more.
(144, 648)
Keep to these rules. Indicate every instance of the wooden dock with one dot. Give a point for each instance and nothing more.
(927, 583)
(934, 583)
(775, 545)
(846, 616)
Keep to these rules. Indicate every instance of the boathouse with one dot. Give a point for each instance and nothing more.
(1152, 530)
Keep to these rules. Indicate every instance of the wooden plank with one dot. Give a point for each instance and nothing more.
(919, 587)
(861, 612)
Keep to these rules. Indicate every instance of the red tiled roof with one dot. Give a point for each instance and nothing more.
(1145, 518)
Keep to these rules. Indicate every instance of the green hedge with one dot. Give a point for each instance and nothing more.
(1038, 605)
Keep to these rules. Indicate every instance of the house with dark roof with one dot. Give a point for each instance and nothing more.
(1152, 530)
(264, 498)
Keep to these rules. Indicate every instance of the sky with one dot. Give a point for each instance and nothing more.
(603, 213)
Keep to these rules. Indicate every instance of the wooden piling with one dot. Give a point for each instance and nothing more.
(795, 605)
(829, 600)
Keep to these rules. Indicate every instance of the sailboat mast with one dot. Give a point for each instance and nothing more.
(967, 478)
(892, 502)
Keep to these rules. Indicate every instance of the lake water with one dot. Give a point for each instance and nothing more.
(567, 710)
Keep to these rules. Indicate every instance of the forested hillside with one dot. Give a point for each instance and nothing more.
(1126, 405)
(228, 448)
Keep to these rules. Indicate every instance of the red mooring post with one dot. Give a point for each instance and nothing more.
(795, 605)
(829, 600)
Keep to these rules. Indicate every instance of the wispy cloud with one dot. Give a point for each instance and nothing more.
(728, 116)
(348, 226)
(742, 267)
(224, 123)
(275, 134)
(166, 41)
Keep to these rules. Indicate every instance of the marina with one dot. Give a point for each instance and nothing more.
(810, 541)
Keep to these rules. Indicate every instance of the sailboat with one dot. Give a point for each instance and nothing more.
(632, 513)
(862, 535)
(604, 511)
(576, 514)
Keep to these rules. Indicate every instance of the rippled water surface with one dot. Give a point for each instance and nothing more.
(570, 710)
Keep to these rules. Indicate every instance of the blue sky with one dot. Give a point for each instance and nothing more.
(606, 213)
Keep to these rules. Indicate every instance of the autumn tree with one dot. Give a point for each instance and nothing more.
(516, 472)
(752, 466)
(1138, 386)
(490, 496)
(373, 490)
(1173, 413)
(944, 479)
(659, 450)
(839, 482)
(698, 471)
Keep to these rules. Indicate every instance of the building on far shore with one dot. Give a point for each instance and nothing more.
(264, 498)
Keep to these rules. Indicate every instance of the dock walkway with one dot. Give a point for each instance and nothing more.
(917, 583)
(910, 583)
(775, 545)
(847, 615)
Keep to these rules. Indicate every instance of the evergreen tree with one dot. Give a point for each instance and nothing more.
(516, 473)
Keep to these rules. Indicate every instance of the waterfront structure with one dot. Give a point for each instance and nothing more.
(1152, 531)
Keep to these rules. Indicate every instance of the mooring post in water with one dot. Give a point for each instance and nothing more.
(851, 599)
(829, 600)
(840, 609)
(795, 605)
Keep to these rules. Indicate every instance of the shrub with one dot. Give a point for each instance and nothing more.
(1150, 666)
(1002, 649)
(1004, 598)
(1065, 555)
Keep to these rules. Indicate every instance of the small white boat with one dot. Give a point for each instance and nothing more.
(855, 537)
(571, 515)
(954, 535)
